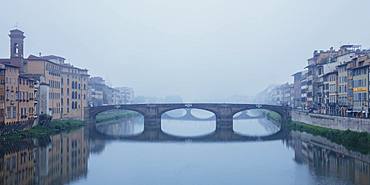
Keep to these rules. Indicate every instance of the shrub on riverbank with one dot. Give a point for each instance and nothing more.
(40, 131)
(273, 116)
(357, 141)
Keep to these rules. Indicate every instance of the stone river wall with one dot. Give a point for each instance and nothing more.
(334, 122)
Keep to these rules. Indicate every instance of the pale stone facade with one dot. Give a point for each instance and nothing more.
(74, 91)
(67, 85)
(52, 74)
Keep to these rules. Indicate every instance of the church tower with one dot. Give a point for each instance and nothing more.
(16, 44)
(16, 49)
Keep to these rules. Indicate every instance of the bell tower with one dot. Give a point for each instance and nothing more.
(16, 44)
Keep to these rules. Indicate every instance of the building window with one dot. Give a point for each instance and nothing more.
(8, 112)
(14, 115)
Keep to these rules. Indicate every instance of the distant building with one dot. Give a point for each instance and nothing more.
(110, 96)
(304, 90)
(95, 97)
(278, 95)
(127, 95)
(297, 90)
(98, 84)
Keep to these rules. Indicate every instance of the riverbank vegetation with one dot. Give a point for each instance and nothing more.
(273, 116)
(356, 141)
(115, 115)
(43, 130)
(47, 127)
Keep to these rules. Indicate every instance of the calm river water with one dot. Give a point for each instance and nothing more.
(80, 159)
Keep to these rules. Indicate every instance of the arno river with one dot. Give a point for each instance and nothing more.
(80, 158)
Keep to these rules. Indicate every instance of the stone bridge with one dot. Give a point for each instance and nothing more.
(223, 112)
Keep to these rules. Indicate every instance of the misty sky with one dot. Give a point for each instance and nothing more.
(194, 48)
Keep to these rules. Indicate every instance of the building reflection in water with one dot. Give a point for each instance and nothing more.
(327, 159)
(60, 159)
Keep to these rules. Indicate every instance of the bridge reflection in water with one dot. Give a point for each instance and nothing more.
(124, 131)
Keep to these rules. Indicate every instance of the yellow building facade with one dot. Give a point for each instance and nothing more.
(17, 96)
(52, 75)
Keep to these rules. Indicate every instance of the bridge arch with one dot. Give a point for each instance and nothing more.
(189, 115)
(175, 114)
(283, 112)
(111, 127)
(189, 125)
(256, 125)
(94, 111)
(185, 106)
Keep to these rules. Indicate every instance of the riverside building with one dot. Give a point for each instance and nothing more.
(65, 84)
(336, 82)
(17, 97)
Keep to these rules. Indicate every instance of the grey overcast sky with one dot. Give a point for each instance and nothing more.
(193, 48)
